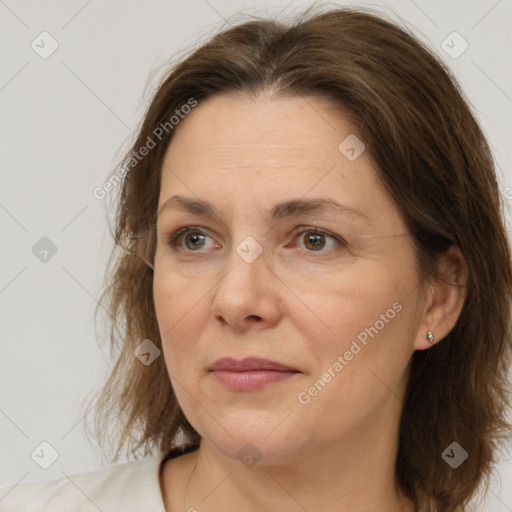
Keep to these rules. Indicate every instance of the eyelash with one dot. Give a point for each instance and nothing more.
(175, 238)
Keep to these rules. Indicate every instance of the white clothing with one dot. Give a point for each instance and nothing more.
(129, 487)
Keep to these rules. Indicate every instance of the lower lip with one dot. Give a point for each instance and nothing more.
(251, 379)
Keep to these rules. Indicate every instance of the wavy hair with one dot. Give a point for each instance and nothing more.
(433, 158)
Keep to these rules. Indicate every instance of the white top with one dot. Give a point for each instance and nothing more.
(129, 487)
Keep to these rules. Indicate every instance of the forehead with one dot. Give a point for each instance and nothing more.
(230, 125)
(238, 150)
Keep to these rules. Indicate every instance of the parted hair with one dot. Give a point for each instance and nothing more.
(433, 158)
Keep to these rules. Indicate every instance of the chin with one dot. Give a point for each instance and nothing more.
(256, 437)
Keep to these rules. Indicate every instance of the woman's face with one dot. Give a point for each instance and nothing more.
(300, 266)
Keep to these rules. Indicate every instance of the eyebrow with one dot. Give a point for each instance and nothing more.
(290, 208)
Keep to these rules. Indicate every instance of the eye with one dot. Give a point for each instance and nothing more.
(315, 239)
(193, 238)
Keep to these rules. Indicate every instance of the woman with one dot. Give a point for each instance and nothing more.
(311, 294)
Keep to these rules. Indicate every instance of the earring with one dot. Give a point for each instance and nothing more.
(430, 337)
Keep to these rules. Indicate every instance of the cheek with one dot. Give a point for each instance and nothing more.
(363, 321)
(167, 308)
(181, 314)
(342, 307)
(180, 311)
(360, 368)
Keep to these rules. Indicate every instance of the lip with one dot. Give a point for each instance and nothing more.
(249, 364)
(251, 373)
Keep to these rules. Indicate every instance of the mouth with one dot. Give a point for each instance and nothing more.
(251, 373)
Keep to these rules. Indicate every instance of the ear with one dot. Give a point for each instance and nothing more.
(444, 298)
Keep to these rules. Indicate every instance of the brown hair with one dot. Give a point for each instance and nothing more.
(433, 158)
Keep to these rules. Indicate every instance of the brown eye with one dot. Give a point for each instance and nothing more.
(193, 240)
(314, 240)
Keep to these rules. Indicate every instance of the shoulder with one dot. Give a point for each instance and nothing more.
(132, 485)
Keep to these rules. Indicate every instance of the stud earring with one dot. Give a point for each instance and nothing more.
(430, 337)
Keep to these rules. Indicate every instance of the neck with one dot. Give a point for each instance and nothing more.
(355, 474)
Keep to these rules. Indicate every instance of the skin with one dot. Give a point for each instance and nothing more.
(295, 305)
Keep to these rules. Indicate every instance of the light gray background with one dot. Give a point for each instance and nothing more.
(64, 120)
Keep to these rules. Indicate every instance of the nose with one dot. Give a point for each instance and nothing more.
(248, 294)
